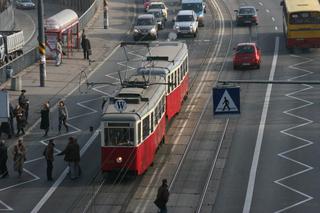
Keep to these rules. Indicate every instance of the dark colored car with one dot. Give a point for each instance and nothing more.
(25, 4)
(247, 55)
(146, 27)
(246, 15)
(159, 17)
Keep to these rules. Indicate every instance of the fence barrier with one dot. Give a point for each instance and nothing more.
(32, 56)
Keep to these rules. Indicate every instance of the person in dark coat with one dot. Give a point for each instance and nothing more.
(3, 159)
(63, 116)
(6, 128)
(45, 118)
(24, 103)
(162, 197)
(85, 44)
(11, 118)
(48, 154)
(20, 118)
(72, 157)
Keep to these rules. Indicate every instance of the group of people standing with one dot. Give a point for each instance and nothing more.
(71, 156)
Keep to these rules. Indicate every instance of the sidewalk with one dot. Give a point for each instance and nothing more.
(64, 78)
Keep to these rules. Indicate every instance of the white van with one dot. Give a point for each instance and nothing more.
(198, 6)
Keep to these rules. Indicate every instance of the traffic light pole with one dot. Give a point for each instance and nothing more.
(42, 46)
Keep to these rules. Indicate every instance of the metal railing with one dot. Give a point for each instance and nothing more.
(32, 56)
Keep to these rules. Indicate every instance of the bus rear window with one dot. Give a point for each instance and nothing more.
(305, 18)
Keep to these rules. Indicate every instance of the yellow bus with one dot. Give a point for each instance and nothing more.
(301, 23)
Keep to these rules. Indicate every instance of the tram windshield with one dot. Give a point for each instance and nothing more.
(118, 135)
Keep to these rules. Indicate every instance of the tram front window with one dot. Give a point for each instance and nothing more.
(119, 137)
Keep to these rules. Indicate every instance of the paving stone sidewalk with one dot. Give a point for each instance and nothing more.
(60, 80)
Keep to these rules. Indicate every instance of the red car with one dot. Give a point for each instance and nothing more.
(247, 55)
(146, 4)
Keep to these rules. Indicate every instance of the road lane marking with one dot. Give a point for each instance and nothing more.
(273, 19)
(62, 176)
(257, 150)
(8, 208)
(286, 132)
(268, 11)
(261, 3)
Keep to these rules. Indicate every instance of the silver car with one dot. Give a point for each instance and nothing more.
(146, 27)
(25, 4)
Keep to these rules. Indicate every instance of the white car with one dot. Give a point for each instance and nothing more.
(186, 23)
(159, 5)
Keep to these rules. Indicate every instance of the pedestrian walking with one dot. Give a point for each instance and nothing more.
(72, 157)
(45, 118)
(63, 116)
(58, 52)
(19, 156)
(162, 197)
(20, 119)
(48, 154)
(85, 44)
(11, 110)
(24, 103)
(3, 159)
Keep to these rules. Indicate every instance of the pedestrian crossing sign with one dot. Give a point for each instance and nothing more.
(226, 100)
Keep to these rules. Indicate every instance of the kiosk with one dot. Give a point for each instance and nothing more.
(63, 26)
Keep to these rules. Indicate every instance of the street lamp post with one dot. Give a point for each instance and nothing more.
(42, 46)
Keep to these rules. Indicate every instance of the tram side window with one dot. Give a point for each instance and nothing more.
(169, 85)
(139, 132)
(174, 79)
(146, 127)
(178, 76)
(156, 112)
(151, 122)
(162, 105)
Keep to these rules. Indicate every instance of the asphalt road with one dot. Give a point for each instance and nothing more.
(286, 176)
(27, 20)
(285, 179)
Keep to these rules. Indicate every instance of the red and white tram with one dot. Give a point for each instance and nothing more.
(176, 70)
(131, 137)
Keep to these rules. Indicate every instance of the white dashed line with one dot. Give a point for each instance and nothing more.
(273, 19)
(268, 11)
(261, 3)
(276, 28)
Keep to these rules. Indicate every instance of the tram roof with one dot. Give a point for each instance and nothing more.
(174, 51)
(302, 5)
(61, 21)
(147, 98)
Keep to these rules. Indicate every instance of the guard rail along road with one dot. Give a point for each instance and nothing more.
(32, 56)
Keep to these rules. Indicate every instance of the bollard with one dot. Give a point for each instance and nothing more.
(16, 83)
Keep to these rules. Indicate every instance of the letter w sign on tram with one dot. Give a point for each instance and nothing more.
(120, 105)
(226, 99)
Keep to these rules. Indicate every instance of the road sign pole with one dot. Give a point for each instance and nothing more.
(105, 15)
(42, 46)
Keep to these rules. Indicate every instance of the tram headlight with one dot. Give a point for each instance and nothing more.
(119, 159)
(135, 30)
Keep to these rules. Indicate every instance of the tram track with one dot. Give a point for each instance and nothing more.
(120, 189)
